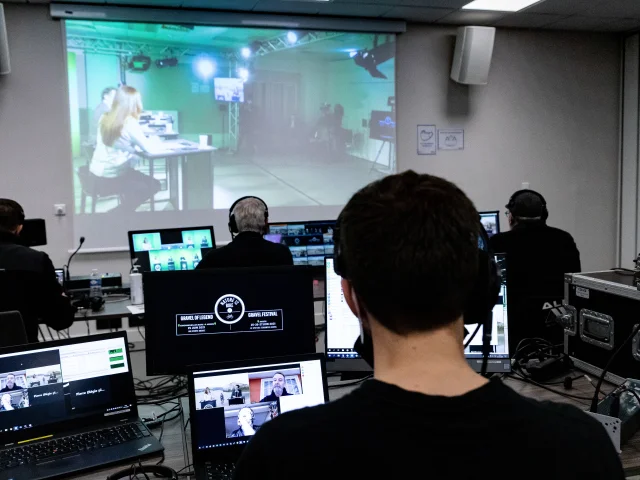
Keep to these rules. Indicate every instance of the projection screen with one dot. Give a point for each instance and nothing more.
(172, 123)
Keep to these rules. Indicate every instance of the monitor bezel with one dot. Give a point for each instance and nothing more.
(131, 233)
(497, 215)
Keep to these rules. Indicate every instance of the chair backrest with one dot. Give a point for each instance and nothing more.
(13, 331)
(22, 291)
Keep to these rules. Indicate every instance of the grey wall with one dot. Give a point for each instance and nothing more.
(549, 116)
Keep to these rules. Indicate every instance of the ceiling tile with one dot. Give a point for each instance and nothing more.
(470, 17)
(418, 14)
(38, 1)
(155, 3)
(390, 3)
(280, 6)
(220, 4)
(528, 20)
(617, 8)
(451, 4)
(353, 9)
(562, 7)
(14, 1)
(595, 24)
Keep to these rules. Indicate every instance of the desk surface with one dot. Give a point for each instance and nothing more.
(177, 148)
(172, 438)
(114, 308)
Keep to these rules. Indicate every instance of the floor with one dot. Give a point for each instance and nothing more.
(280, 180)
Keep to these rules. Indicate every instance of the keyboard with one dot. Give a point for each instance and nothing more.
(50, 450)
(223, 471)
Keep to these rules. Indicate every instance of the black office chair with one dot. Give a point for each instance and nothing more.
(92, 187)
(13, 331)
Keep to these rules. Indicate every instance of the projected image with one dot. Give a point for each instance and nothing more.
(169, 118)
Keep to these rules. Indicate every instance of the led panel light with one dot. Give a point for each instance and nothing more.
(499, 5)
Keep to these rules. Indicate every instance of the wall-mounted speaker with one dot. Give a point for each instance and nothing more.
(472, 56)
(5, 66)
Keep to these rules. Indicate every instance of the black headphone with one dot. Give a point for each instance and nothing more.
(233, 226)
(85, 301)
(482, 299)
(161, 471)
(544, 214)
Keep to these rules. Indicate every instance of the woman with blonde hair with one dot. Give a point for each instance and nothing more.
(120, 138)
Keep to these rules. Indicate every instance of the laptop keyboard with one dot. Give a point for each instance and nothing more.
(71, 445)
(222, 471)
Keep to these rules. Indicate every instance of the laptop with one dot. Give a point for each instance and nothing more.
(69, 406)
(230, 401)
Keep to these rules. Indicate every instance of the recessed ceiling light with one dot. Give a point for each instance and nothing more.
(499, 5)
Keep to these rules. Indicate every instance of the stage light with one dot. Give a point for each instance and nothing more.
(370, 59)
(205, 67)
(245, 52)
(243, 73)
(353, 53)
(167, 62)
(292, 37)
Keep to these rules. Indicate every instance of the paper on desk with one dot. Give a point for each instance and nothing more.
(136, 309)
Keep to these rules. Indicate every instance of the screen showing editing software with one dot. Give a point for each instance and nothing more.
(309, 242)
(170, 249)
(205, 316)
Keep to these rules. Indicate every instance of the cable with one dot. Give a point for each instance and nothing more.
(594, 401)
(558, 392)
(140, 332)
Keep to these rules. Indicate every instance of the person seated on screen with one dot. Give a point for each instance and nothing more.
(278, 390)
(248, 222)
(409, 258)
(146, 244)
(11, 385)
(28, 283)
(120, 139)
(106, 102)
(5, 403)
(245, 424)
(189, 242)
(537, 257)
(207, 396)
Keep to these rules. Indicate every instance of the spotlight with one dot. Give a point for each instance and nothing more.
(243, 73)
(245, 52)
(167, 62)
(205, 67)
(353, 53)
(370, 59)
(139, 63)
(292, 37)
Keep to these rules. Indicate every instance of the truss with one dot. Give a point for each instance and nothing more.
(280, 42)
(130, 47)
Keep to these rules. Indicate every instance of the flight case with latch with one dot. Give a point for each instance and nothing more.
(600, 311)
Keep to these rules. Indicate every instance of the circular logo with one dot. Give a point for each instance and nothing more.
(229, 309)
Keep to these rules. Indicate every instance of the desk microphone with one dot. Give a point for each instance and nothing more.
(68, 276)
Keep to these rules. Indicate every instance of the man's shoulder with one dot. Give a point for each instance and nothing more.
(20, 257)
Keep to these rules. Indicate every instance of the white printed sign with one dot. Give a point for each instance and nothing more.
(451, 139)
(426, 139)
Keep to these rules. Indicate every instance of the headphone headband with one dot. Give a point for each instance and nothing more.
(233, 226)
(544, 214)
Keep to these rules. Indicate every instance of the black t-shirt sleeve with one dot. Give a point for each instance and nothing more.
(498, 243)
(287, 258)
(57, 311)
(573, 257)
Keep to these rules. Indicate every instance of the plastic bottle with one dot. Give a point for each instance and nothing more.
(95, 284)
(135, 281)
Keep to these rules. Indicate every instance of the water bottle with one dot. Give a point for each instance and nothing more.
(135, 282)
(95, 284)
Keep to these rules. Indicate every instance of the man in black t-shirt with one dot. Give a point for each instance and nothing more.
(278, 390)
(409, 248)
(11, 385)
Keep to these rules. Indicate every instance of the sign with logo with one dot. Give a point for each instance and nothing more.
(426, 139)
(451, 139)
(229, 316)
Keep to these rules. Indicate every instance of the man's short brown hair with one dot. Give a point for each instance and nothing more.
(409, 244)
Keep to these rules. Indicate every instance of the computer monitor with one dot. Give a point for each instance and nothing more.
(56, 386)
(216, 315)
(343, 327)
(170, 248)
(220, 393)
(309, 242)
(499, 359)
(490, 222)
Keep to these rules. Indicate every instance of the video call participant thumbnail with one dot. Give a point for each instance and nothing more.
(278, 390)
(10, 384)
(425, 409)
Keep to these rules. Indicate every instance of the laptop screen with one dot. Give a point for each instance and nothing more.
(44, 387)
(206, 316)
(232, 404)
(343, 327)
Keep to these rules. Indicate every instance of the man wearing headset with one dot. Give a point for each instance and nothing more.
(248, 222)
(538, 256)
(28, 283)
(409, 258)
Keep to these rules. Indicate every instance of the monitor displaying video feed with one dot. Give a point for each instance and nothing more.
(491, 222)
(231, 402)
(205, 316)
(499, 360)
(229, 89)
(309, 242)
(64, 383)
(170, 249)
(382, 126)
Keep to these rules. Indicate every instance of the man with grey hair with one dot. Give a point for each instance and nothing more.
(538, 256)
(248, 222)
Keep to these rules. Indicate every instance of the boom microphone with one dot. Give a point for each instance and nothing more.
(68, 276)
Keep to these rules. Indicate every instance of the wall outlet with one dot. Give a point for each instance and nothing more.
(59, 209)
